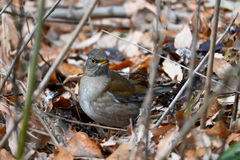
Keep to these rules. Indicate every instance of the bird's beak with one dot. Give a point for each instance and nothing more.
(104, 62)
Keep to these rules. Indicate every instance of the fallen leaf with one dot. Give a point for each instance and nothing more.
(173, 70)
(67, 69)
(81, 146)
(220, 67)
(160, 131)
(180, 118)
(124, 64)
(4, 154)
(143, 67)
(233, 137)
(61, 102)
(213, 109)
(128, 49)
(13, 139)
(62, 154)
(220, 129)
(184, 38)
(166, 142)
(122, 152)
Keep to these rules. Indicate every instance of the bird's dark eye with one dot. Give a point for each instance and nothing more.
(93, 60)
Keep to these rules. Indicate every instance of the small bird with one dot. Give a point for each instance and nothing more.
(105, 95)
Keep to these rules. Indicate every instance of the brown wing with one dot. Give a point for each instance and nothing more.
(120, 86)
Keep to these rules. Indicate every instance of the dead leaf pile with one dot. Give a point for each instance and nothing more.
(125, 30)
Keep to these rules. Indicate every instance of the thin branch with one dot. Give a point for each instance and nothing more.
(48, 131)
(62, 54)
(142, 129)
(235, 106)
(86, 124)
(193, 56)
(195, 70)
(5, 7)
(211, 59)
(25, 45)
(39, 132)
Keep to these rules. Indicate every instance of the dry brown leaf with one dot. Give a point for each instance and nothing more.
(160, 131)
(190, 154)
(220, 67)
(180, 118)
(81, 146)
(124, 64)
(184, 38)
(62, 154)
(67, 69)
(143, 67)
(213, 109)
(219, 129)
(122, 152)
(147, 40)
(5, 155)
(128, 49)
(49, 53)
(173, 70)
(10, 39)
(61, 102)
(233, 137)
(13, 139)
(166, 142)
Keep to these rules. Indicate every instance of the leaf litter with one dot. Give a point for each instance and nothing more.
(90, 140)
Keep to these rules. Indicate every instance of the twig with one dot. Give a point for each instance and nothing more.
(86, 124)
(31, 84)
(195, 70)
(142, 129)
(94, 23)
(193, 56)
(235, 106)
(5, 7)
(25, 45)
(211, 59)
(38, 131)
(64, 51)
(14, 79)
(48, 131)
(100, 12)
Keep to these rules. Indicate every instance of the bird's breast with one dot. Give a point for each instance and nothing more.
(92, 87)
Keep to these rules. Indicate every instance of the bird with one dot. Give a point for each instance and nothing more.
(105, 95)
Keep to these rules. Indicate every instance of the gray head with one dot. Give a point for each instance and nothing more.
(97, 63)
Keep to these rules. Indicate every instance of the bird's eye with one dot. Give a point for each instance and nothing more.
(93, 60)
